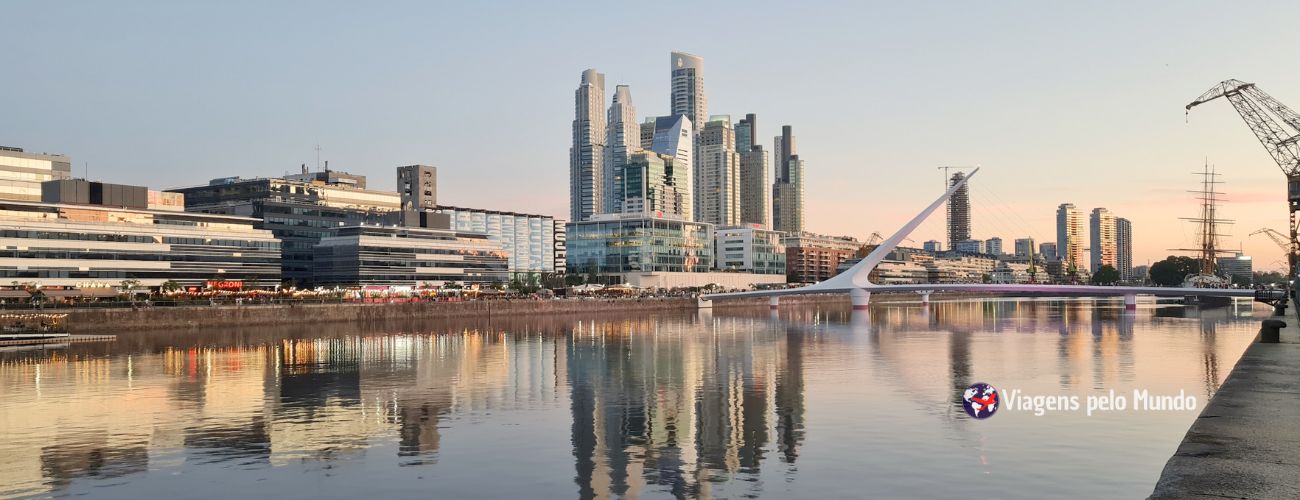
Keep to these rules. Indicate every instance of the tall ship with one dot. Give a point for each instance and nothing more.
(1207, 249)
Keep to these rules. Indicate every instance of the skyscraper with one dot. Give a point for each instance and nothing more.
(624, 140)
(647, 186)
(787, 191)
(1124, 248)
(586, 156)
(1101, 229)
(717, 191)
(1048, 250)
(688, 88)
(958, 212)
(675, 136)
(1069, 236)
(755, 197)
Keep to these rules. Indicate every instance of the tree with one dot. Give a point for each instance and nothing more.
(129, 286)
(573, 280)
(1269, 277)
(1241, 281)
(1173, 270)
(1105, 275)
(169, 286)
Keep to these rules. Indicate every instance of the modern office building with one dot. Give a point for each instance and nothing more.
(417, 187)
(298, 213)
(932, 246)
(330, 177)
(625, 243)
(407, 257)
(1024, 247)
(586, 156)
(1048, 250)
(647, 185)
(958, 212)
(623, 141)
(993, 246)
(1101, 229)
(528, 240)
(970, 246)
(1239, 268)
(810, 258)
(21, 173)
(675, 136)
(787, 191)
(1069, 237)
(687, 93)
(749, 249)
(1124, 248)
(98, 241)
(717, 185)
(755, 181)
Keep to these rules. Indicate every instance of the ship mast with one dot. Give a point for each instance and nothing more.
(1208, 222)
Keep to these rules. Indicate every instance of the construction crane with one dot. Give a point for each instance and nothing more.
(1278, 238)
(1278, 129)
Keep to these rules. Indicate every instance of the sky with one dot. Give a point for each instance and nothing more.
(1057, 103)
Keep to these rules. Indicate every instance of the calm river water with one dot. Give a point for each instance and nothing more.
(813, 403)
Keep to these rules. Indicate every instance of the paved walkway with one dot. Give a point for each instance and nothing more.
(1246, 442)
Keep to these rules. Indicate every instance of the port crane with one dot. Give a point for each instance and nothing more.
(1278, 238)
(1278, 129)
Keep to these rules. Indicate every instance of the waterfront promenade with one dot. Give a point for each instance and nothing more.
(1246, 442)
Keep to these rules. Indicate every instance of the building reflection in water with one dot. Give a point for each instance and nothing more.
(684, 404)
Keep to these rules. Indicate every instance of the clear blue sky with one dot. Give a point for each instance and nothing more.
(1058, 103)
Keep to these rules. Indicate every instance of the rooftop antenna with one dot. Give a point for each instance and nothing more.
(318, 156)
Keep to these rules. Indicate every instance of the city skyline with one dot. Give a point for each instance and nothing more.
(192, 107)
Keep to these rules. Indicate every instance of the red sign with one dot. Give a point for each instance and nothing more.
(234, 285)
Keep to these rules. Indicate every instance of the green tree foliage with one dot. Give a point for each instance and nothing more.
(170, 286)
(1105, 275)
(1269, 277)
(1172, 270)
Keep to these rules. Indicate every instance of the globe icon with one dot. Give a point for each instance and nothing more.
(980, 400)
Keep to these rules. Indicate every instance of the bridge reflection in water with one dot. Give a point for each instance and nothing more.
(690, 406)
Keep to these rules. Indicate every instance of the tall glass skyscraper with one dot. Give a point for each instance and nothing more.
(624, 140)
(787, 191)
(586, 156)
(675, 136)
(958, 212)
(688, 88)
(755, 198)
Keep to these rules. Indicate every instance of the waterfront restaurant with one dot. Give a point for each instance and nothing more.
(67, 245)
(407, 258)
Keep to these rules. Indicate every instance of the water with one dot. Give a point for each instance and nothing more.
(818, 403)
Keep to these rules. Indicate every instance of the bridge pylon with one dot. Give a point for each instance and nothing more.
(925, 296)
(860, 298)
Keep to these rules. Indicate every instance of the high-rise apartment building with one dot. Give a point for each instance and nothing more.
(787, 191)
(675, 136)
(586, 156)
(755, 194)
(1069, 237)
(717, 188)
(21, 173)
(1101, 229)
(688, 88)
(958, 212)
(1124, 248)
(623, 141)
(993, 246)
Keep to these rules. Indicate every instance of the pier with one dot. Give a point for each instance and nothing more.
(1246, 442)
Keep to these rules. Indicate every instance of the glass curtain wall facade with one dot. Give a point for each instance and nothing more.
(639, 244)
(407, 257)
(528, 239)
(95, 246)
